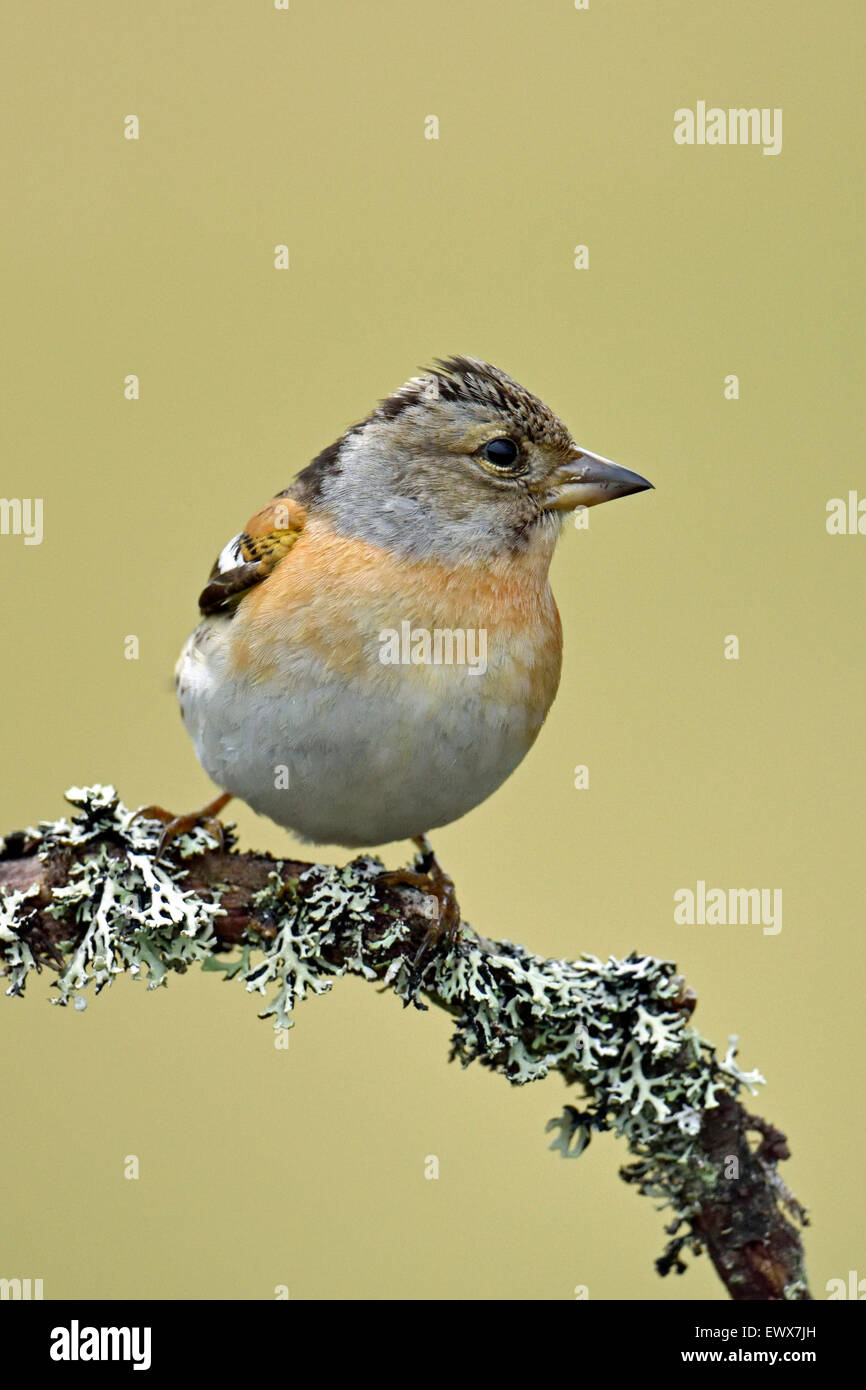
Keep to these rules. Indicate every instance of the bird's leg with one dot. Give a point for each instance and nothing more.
(429, 877)
(179, 825)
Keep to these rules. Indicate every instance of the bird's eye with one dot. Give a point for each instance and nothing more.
(502, 453)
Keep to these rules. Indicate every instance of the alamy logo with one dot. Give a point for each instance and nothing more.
(738, 125)
(444, 646)
(847, 518)
(855, 1287)
(731, 907)
(21, 1288)
(22, 516)
(76, 1343)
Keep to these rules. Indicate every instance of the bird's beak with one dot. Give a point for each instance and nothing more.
(587, 479)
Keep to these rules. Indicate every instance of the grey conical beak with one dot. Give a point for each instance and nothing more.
(588, 479)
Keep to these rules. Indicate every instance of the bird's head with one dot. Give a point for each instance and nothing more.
(460, 464)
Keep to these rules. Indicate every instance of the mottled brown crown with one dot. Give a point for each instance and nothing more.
(479, 383)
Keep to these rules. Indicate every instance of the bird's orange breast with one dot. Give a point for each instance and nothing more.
(333, 596)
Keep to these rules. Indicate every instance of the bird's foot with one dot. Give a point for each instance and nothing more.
(429, 877)
(174, 825)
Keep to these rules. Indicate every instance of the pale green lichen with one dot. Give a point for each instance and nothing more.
(17, 955)
(310, 921)
(125, 911)
(611, 1028)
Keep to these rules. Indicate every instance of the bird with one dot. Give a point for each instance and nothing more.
(378, 649)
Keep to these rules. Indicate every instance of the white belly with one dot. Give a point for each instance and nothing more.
(337, 766)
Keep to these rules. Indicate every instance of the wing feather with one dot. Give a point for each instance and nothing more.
(251, 556)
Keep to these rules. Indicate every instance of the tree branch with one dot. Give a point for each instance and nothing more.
(86, 899)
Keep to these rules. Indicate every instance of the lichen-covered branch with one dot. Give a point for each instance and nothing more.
(86, 899)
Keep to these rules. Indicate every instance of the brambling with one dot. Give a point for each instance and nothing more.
(314, 689)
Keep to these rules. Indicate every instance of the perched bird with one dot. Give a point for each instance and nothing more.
(315, 687)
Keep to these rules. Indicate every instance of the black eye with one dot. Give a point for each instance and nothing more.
(502, 453)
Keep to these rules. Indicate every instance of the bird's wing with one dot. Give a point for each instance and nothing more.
(249, 557)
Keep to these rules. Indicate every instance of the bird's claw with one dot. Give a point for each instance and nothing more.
(175, 826)
(430, 878)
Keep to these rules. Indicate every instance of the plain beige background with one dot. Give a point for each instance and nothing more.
(155, 257)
